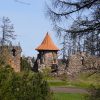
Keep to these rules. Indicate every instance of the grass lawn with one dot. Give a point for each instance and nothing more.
(57, 83)
(84, 80)
(68, 96)
(68, 84)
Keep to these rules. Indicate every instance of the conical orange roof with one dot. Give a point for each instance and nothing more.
(47, 44)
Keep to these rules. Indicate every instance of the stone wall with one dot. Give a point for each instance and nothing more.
(12, 56)
(50, 58)
(82, 61)
(47, 58)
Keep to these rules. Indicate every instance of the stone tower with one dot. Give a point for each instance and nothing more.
(47, 52)
(13, 56)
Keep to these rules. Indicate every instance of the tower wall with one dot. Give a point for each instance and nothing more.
(48, 57)
(12, 56)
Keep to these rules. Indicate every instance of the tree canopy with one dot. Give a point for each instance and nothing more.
(79, 21)
(22, 86)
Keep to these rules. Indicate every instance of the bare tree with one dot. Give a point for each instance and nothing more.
(65, 8)
(7, 31)
(85, 20)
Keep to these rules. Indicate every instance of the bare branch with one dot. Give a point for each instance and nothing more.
(22, 2)
(78, 7)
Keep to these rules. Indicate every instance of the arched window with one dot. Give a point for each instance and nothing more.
(14, 52)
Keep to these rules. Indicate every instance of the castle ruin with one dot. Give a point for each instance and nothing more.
(82, 61)
(12, 56)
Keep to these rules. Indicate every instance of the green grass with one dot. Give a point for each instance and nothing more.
(68, 84)
(79, 84)
(88, 79)
(83, 81)
(69, 96)
(57, 83)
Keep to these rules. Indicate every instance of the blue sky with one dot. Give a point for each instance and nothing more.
(29, 21)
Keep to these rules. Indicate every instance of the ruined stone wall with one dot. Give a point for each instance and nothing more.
(81, 61)
(13, 58)
(16, 59)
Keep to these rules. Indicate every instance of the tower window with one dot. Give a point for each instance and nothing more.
(14, 52)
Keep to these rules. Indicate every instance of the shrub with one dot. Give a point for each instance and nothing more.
(23, 86)
(94, 94)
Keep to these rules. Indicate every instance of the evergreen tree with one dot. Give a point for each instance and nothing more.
(23, 86)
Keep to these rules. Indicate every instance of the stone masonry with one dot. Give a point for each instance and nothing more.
(82, 61)
(12, 56)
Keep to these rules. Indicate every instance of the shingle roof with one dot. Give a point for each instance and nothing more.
(47, 44)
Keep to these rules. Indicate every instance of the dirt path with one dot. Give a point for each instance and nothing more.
(69, 90)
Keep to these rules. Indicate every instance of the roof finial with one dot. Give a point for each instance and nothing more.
(47, 33)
